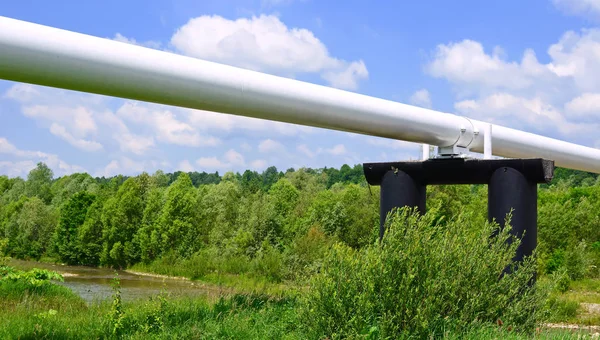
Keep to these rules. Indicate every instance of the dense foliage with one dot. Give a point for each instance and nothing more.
(440, 274)
(273, 224)
(423, 280)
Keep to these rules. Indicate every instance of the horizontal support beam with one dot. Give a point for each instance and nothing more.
(460, 170)
(42, 55)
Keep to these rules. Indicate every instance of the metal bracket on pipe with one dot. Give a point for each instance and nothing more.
(453, 151)
(487, 142)
(460, 149)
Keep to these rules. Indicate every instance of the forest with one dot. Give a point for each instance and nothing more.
(291, 228)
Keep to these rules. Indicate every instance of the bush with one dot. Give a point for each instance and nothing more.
(577, 261)
(556, 261)
(562, 310)
(423, 280)
(269, 263)
(563, 281)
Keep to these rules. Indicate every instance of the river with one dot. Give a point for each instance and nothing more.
(95, 284)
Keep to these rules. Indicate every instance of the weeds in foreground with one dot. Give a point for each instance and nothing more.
(116, 316)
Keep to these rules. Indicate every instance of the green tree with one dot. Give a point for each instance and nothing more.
(149, 236)
(72, 216)
(36, 223)
(283, 198)
(89, 235)
(178, 220)
(250, 181)
(269, 177)
(122, 217)
(39, 182)
(65, 187)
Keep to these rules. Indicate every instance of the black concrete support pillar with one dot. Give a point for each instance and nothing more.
(510, 190)
(398, 189)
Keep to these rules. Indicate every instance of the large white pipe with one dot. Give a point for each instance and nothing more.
(49, 56)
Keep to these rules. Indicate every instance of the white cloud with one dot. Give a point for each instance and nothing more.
(110, 169)
(575, 57)
(573, 66)
(22, 92)
(421, 98)
(7, 147)
(337, 150)
(518, 112)
(349, 77)
(245, 146)
(113, 122)
(150, 43)
(28, 94)
(128, 142)
(22, 167)
(128, 166)
(264, 43)
(79, 119)
(231, 160)
(584, 108)
(579, 7)
(214, 121)
(556, 98)
(468, 65)
(86, 145)
(234, 158)
(210, 163)
(138, 145)
(185, 166)
(48, 105)
(390, 143)
(16, 169)
(259, 164)
(270, 146)
(164, 123)
(304, 149)
(68, 115)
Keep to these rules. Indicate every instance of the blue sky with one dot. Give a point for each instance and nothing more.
(533, 65)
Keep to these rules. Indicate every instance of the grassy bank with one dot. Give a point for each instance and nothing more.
(239, 282)
(237, 317)
(55, 313)
(240, 317)
(32, 307)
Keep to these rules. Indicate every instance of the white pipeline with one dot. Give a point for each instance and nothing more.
(37, 54)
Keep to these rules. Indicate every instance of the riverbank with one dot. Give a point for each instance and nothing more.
(141, 282)
(576, 309)
(54, 312)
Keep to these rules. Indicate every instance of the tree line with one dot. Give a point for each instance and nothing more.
(273, 224)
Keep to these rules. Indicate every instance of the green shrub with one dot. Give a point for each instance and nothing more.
(577, 261)
(556, 261)
(563, 281)
(422, 280)
(269, 263)
(561, 310)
